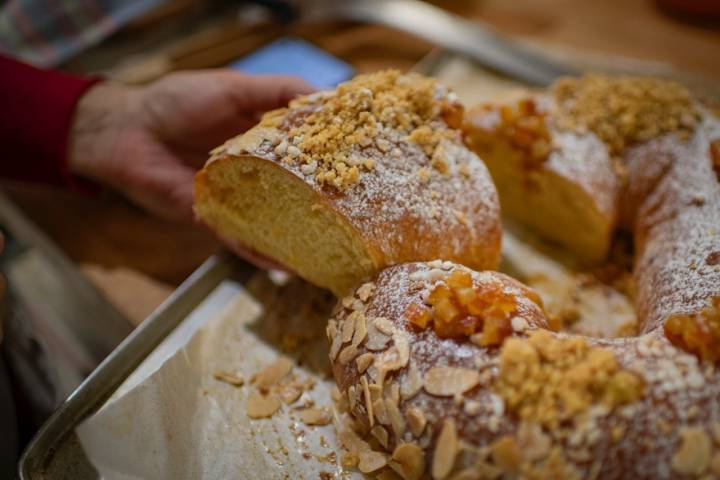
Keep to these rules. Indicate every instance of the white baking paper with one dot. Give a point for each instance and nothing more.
(172, 420)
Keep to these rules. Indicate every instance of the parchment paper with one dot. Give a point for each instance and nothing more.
(172, 420)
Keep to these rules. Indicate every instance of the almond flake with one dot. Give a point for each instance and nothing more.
(348, 327)
(446, 450)
(715, 430)
(360, 330)
(315, 416)
(272, 373)
(380, 412)
(335, 347)
(371, 461)
(450, 381)
(416, 420)
(376, 339)
(694, 453)
(364, 361)
(533, 442)
(348, 302)
(352, 400)
(375, 391)
(411, 383)
(368, 400)
(395, 394)
(290, 393)
(381, 434)
(506, 454)
(408, 461)
(229, 378)
(331, 329)
(262, 406)
(397, 422)
(348, 354)
(384, 325)
(365, 291)
(472, 407)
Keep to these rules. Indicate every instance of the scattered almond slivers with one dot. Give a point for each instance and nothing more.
(446, 450)
(370, 461)
(315, 416)
(229, 378)
(450, 381)
(408, 461)
(262, 406)
(274, 372)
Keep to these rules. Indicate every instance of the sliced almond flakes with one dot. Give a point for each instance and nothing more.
(368, 400)
(397, 422)
(446, 450)
(408, 461)
(694, 453)
(262, 406)
(315, 416)
(360, 330)
(274, 372)
(364, 361)
(379, 432)
(384, 325)
(352, 400)
(416, 420)
(229, 378)
(348, 327)
(370, 461)
(411, 383)
(348, 354)
(450, 381)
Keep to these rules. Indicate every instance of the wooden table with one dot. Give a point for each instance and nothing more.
(137, 260)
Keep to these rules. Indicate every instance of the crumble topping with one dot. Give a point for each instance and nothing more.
(551, 380)
(624, 110)
(368, 116)
(698, 333)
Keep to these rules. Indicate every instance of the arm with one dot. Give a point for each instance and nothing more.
(35, 118)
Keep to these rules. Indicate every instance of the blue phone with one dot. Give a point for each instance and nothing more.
(293, 56)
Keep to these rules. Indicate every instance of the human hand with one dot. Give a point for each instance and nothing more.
(146, 142)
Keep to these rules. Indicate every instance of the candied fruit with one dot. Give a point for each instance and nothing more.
(457, 308)
(522, 125)
(698, 333)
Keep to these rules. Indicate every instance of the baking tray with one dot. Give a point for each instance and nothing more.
(55, 451)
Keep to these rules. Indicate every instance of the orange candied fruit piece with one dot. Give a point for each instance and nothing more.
(458, 308)
(418, 315)
(697, 333)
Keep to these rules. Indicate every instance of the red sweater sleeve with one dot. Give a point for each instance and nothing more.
(36, 110)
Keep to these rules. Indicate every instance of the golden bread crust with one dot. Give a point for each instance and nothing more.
(406, 203)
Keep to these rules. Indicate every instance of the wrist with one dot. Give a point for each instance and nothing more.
(100, 115)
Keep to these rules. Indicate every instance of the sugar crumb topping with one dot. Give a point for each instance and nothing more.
(368, 116)
(550, 380)
(623, 110)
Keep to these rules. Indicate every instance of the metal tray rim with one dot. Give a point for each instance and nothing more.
(117, 366)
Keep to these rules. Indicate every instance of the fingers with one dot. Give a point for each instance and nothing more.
(166, 192)
(259, 93)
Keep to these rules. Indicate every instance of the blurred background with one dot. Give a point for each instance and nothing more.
(99, 265)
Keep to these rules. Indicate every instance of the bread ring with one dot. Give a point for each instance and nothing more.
(502, 396)
(342, 184)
